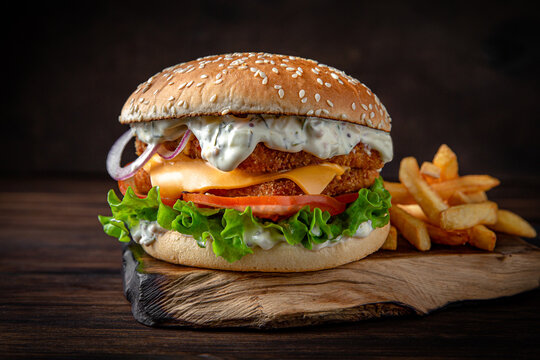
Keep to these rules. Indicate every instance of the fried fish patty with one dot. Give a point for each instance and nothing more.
(362, 170)
(266, 160)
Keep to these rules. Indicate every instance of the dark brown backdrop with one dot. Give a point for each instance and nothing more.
(464, 73)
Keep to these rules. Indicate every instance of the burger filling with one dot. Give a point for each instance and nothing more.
(255, 180)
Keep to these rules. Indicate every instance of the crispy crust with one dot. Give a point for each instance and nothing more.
(255, 83)
(177, 248)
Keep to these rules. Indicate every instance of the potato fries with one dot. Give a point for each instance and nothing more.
(466, 184)
(429, 200)
(434, 203)
(430, 172)
(483, 238)
(468, 215)
(391, 240)
(441, 236)
(510, 223)
(412, 229)
(446, 160)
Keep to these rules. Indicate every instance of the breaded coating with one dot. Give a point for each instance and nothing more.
(363, 166)
(351, 180)
(266, 160)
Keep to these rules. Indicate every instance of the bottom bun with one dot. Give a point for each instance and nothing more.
(177, 248)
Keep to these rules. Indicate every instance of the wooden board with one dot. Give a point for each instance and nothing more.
(383, 284)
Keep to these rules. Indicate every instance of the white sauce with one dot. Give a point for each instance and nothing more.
(227, 140)
(146, 232)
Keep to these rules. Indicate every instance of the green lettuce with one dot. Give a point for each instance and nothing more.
(226, 228)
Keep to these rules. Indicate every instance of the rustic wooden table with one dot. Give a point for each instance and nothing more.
(61, 295)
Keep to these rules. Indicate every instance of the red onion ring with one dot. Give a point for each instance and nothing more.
(168, 155)
(114, 158)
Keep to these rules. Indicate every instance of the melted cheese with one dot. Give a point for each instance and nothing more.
(193, 175)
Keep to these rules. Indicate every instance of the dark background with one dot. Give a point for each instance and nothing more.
(462, 73)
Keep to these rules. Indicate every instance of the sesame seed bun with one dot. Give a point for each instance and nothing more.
(255, 83)
(177, 248)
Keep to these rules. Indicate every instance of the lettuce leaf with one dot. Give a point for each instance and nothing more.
(227, 228)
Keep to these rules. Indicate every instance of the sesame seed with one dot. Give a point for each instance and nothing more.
(259, 61)
(315, 71)
(364, 107)
(141, 100)
(218, 76)
(204, 76)
(325, 111)
(353, 105)
(317, 97)
(304, 100)
(181, 86)
(301, 93)
(252, 69)
(171, 98)
(370, 107)
(295, 75)
(310, 112)
(275, 70)
(225, 112)
(318, 112)
(218, 81)
(281, 93)
(265, 81)
(372, 115)
(180, 103)
(320, 81)
(327, 84)
(290, 69)
(364, 116)
(277, 87)
(213, 98)
(334, 76)
(330, 103)
(189, 83)
(200, 84)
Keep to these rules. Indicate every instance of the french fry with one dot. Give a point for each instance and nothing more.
(400, 194)
(412, 229)
(441, 236)
(482, 238)
(476, 197)
(460, 198)
(468, 215)
(391, 240)
(430, 172)
(429, 200)
(415, 210)
(466, 184)
(510, 223)
(446, 160)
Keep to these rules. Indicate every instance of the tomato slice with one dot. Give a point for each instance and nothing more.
(124, 184)
(347, 198)
(269, 207)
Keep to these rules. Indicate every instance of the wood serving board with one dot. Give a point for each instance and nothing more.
(387, 283)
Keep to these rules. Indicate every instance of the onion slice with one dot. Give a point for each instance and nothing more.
(168, 155)
(114, 158)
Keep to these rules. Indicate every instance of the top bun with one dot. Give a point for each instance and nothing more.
(255, 83)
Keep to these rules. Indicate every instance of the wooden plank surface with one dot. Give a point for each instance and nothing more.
(62, 298)
(387, 283)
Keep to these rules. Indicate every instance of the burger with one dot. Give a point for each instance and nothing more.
(252, 162)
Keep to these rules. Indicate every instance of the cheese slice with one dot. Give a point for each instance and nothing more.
(195, 175)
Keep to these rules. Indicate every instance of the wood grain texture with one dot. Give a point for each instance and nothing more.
(384, 284)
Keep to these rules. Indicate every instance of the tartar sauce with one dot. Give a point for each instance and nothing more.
(227, 140)
(146, 232)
